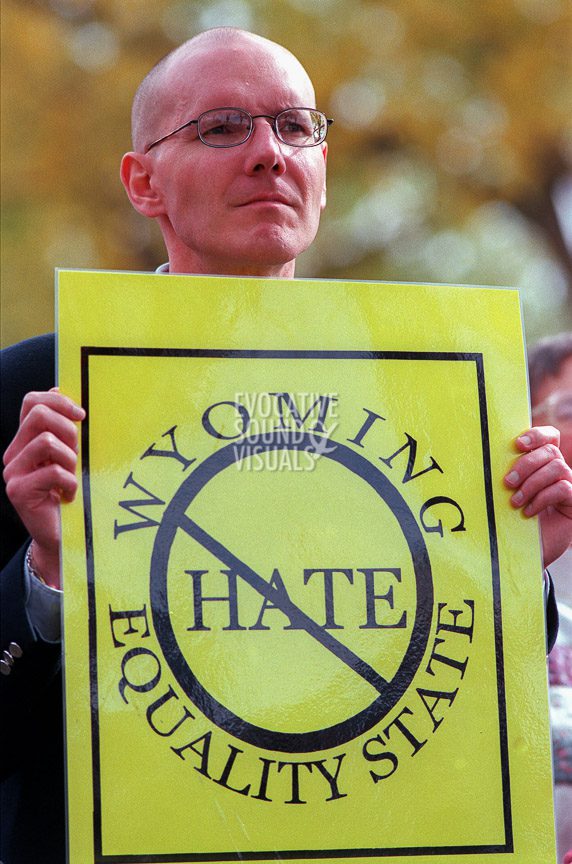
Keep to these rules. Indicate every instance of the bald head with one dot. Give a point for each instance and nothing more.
(157, 106)
(226, 209)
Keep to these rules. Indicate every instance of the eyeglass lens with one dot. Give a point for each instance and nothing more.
(556, 410)
(562, 409)
(300, 127)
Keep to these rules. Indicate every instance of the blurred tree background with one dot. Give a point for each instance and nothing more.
(450, 159)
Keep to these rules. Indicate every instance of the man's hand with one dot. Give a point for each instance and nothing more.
(542, 485)
(39, 473)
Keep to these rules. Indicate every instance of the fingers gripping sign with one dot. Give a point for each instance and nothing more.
(40, 471)
(542, 486)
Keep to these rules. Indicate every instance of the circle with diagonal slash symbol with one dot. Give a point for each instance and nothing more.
(389, 690)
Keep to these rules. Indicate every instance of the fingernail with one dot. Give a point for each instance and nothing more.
(78, 412)
(526, 440)
(517, 497)
(513, 478)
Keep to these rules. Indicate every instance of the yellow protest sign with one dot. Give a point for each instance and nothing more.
(302, 620)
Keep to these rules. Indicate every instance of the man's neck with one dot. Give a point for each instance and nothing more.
(259, 271)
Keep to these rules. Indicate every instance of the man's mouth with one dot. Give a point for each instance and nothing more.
(267, 198)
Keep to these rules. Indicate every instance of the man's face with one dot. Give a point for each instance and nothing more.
(561, 383)
(250, 209)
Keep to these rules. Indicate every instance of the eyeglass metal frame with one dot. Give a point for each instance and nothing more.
(274, 118)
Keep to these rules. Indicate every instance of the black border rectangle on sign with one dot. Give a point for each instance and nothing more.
(291, 854)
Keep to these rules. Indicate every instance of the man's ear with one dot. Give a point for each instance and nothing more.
(325, 155)
(137, 179)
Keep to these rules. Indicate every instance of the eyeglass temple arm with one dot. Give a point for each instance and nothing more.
(174, 132)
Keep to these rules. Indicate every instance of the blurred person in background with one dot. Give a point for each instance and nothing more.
(550, 373)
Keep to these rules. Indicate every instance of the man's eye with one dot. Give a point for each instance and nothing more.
(221, 129)
(297, 129)
(229, 126)
(292, 126)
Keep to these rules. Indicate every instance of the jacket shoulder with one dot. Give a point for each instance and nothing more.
(26, 366)
(32, 360)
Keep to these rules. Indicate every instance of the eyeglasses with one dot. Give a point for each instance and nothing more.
(229, 127)
(557, 408)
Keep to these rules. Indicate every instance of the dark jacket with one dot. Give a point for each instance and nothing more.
(32, 821)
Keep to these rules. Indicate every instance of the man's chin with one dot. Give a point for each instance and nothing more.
(277, 242)
(271, 244)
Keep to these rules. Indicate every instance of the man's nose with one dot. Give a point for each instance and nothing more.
(263, 150)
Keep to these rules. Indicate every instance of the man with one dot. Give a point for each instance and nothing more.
(232, 196)
(550, 374)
